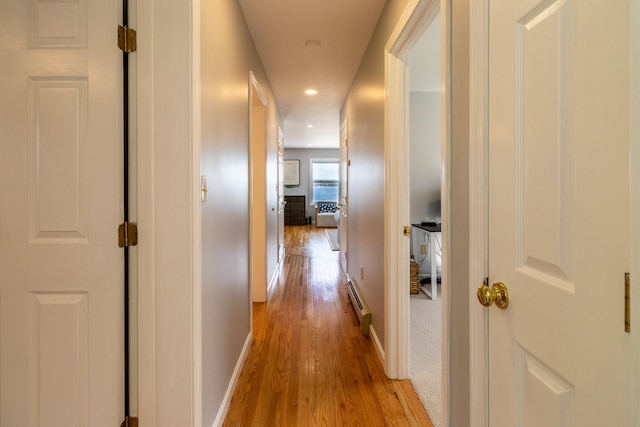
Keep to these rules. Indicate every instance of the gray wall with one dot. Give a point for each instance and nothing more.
(426, 157)
(304, 154)
(426, 170)
(227, 56)
(364, 108)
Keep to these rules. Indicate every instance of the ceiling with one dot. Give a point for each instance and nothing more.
(306, 44)
(284, 32)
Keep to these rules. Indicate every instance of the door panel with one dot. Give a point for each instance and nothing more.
(61, 309)
(57, 164)
(58, 357)
(559, 212)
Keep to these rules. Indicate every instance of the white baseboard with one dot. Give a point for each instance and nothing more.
(222, 413)
(377, 346)
(274, 277)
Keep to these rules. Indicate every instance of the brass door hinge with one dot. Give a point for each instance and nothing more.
(130, 422)
(627, 302)
(127, 234)
(126, 39)
(407, 231)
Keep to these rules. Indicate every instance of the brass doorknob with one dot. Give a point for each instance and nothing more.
(497, 293)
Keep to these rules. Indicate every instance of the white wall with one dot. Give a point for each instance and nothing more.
(364, 107)
(426, 157)
(426, 169)
(227, 56)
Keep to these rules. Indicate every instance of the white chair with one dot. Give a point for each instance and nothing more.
(327, 214)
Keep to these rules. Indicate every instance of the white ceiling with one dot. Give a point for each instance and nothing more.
(280, 30)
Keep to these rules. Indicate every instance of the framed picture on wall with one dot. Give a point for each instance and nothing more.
(291, 173)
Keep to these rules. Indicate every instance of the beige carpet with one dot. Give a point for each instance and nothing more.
(425, 368)
(332, 236)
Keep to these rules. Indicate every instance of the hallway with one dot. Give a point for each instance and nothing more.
(308, 363)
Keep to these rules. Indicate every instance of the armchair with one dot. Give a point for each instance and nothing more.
(327, 214)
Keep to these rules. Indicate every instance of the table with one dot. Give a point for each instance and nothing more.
(429, 230)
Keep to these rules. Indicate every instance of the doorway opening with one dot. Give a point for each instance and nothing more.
(425, 307)
(422, 17)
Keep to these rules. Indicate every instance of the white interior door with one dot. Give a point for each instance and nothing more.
(344, 196)
(61, 310)
(559, 212)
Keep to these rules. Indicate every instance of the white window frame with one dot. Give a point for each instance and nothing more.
(313, 160)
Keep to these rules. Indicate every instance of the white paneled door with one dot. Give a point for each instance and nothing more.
(559, 212)
(61, 310)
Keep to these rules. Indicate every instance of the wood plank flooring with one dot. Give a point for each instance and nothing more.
(309, 365)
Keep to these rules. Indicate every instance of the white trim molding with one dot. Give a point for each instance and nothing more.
(478, 204)
(634, 154)
(226, 401)
(395, 246)
(415, 19)
(376, 344)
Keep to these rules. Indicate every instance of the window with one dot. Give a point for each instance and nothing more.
(325, 180)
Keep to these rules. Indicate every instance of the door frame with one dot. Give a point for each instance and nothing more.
(478, 204)
(634, 154)
(418, 15)
(257, 192)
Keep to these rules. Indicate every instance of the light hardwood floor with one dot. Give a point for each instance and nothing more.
(309, 365)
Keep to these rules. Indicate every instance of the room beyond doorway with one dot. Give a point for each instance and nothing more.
(425, 140)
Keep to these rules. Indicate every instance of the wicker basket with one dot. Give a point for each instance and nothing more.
(414, 276)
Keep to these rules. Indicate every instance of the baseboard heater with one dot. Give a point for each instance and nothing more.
(359, 306)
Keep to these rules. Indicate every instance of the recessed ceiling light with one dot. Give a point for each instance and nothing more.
(313, 44)
(309, 126)
(311, 91)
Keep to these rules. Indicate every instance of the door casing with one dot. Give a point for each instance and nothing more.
(478, 203)
(257, 191)
(417, 17)
(634, 152)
